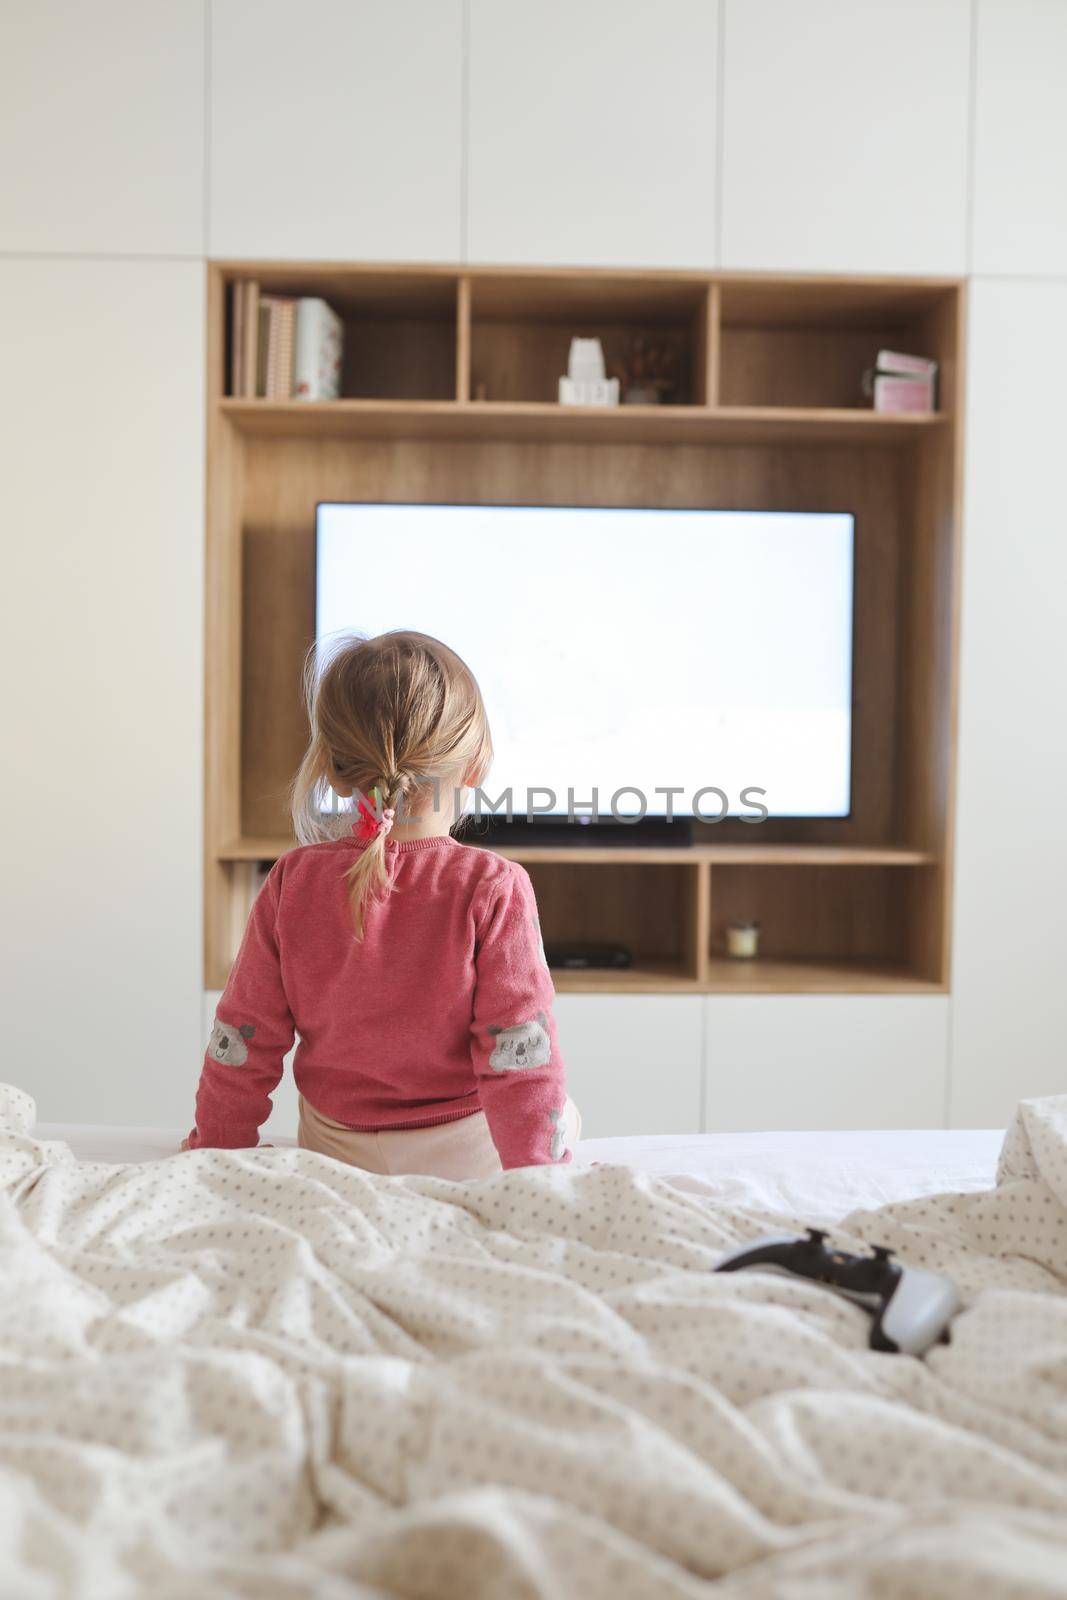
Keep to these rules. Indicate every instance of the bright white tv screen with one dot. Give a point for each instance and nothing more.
(624, 651)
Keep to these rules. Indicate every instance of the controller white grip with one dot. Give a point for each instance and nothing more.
(922, 1306)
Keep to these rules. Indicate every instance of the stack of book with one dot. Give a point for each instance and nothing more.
(283, 347)
(902, 383)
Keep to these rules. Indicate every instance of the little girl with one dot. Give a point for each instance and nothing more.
(410, 966)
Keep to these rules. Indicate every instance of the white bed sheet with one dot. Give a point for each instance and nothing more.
(820, 1176)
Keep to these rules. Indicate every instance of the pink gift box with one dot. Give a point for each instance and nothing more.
(903, 394)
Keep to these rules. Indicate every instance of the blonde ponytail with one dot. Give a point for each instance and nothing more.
(368, 876)
(391, 717)
(367, 879)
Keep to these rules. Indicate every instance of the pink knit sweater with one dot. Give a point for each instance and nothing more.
(443, 1009)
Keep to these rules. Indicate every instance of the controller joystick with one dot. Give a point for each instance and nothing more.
(911, 1308)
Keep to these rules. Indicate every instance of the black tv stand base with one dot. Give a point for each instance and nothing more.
(581, 836)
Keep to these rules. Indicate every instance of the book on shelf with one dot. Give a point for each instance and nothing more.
(262, 335)
(283, 347)
(318, 351)
(900, 382)
(236, 346)
(278, 339)
(250, 346)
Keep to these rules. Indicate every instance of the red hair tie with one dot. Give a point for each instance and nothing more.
(370, 824)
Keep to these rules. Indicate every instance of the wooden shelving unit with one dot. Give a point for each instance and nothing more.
(469, 420)
(449, 396)
(780, 855)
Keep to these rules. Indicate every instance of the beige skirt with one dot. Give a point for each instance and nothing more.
(459, 1149)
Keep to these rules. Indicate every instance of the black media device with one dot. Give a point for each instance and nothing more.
(578, 957)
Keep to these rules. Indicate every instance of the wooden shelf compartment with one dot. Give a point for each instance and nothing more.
(654, 908)
(768, 975)
(533, 420)
(646, 976)
(743, 341)
(810, 345)
(268, 465)
(522, 326)
(851, 930)
(269, 849)
(276, 483)
(755, 854)
(400, 327)
(833, 919)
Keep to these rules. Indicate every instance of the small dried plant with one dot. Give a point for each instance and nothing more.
(648, 365)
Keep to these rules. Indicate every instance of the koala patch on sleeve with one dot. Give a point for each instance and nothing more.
(525, 1045)
(228, 1044)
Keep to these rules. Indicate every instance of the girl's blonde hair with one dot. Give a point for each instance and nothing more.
(398, 714)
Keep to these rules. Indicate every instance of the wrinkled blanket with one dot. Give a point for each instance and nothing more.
(260, 1373)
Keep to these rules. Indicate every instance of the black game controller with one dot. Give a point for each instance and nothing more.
(911, 1308)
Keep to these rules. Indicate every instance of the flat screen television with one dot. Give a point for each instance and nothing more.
(673, 663)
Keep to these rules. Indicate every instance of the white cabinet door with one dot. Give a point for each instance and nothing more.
(593, 132)
(102, 127)
(100, 654)
(812, 1062)
(1020, 137)
(1009, 1030)
(845, 135)
(336, 129)
(633, 1061)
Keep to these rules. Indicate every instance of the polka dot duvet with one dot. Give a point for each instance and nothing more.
(260, 1373)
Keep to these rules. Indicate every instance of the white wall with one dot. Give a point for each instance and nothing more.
(100, 651)
(1020, 138)
(825, 1061)
(892, 136)
(336, 129)
(593, 132)
(845, 135)
(1010, 1010)
(101, 418)
(102, 128)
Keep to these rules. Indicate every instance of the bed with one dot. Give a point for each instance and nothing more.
(820, 1176)
(261, 1373)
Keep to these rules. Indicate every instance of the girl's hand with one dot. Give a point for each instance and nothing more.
(184, 1145)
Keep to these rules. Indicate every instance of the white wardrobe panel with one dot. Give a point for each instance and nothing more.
(336, 129)
(1020, 137)
(814, 1062)
(102, 127)
(633, 1061)
(100, 655)
(1009, 1030)
(593, 132)
(845, 135)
